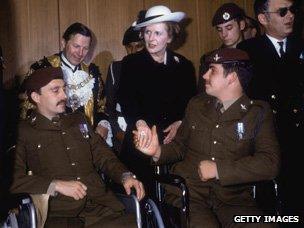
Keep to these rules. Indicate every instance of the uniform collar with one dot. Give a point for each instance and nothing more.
(237, 109)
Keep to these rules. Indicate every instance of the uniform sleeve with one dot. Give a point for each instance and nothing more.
(111, 98)
(99, 94)
(105, 160)
(263, 164)
(23, 183)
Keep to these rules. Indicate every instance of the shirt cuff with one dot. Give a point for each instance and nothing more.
(106, 124)
(51, 189)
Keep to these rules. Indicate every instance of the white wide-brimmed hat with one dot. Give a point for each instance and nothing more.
(157, 14)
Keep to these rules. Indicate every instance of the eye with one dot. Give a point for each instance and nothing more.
(229, 27)
(147, 32)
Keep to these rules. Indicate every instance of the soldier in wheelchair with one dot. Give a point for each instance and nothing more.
(225, 143)
(58, 155)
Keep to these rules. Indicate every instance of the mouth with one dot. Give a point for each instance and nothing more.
(61, 103)
(152, 46)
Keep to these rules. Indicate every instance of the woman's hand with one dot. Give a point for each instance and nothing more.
(172, 129)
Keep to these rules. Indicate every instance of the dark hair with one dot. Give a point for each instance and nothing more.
(243, 69)
(252, 23)
(76, 28)
(260, 6)
(173, 29)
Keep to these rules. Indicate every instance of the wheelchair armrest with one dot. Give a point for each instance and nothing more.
(180, 183)
(170, 179)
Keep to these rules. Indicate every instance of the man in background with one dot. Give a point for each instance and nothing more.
(278, 64)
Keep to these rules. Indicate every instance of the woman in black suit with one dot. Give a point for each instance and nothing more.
(156, 85)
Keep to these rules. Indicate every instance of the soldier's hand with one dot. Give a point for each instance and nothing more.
(153, 149)
(74, 189)
(132, 182)
(207, 170)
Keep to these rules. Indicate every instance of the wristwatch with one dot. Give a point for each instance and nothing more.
(127, 175)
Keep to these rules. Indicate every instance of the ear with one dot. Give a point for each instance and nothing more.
(242, 25)
(232, 77)
(169, 40)
(35, 97)
(262, 19)
(63, 43)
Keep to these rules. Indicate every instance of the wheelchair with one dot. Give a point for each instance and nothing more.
(23, 213)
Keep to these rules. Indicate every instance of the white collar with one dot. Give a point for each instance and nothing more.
(66, 62)
(275, 41)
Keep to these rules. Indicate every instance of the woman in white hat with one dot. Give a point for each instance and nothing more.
(156, 85)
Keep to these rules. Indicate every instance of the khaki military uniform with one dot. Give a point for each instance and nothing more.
(243, 144)
(67, 149)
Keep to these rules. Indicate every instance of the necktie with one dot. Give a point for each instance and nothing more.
(281, 43)
(219, 107)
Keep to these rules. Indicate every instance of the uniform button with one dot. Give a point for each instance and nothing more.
(30, 173)
(217, 126)
(214, 142)
(73, 163)
(213, 158)
(68, 148)
(78, 178)
(39, 146)
(63, 133)
(193, 127)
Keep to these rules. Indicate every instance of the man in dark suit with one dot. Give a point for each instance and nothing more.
(278, 65)
(59, 155)
(226, 142)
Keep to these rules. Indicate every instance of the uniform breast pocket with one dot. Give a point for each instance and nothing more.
(239, 141)
(196, 137)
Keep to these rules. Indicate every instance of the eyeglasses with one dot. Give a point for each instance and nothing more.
(284, 10)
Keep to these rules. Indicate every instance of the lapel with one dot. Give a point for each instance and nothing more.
(269, 48)
(40, 122)
(237, 110)
(207, 109)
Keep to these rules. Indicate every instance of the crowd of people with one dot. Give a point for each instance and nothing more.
(240, 124)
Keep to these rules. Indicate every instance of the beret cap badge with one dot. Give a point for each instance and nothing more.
(226, 16)
(216, 57)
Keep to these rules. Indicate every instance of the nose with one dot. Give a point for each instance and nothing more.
(224, 33)
(151, 36)
(205, 76)
(63, 94)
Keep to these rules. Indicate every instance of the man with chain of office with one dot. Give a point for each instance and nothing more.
(84, 83)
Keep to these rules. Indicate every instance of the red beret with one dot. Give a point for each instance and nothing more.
(227, 55)
(40, 78)
(227, 12)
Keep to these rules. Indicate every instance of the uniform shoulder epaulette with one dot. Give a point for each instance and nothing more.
(259, 103)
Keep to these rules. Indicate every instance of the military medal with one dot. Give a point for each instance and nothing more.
(84, 130)
(240, 130)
